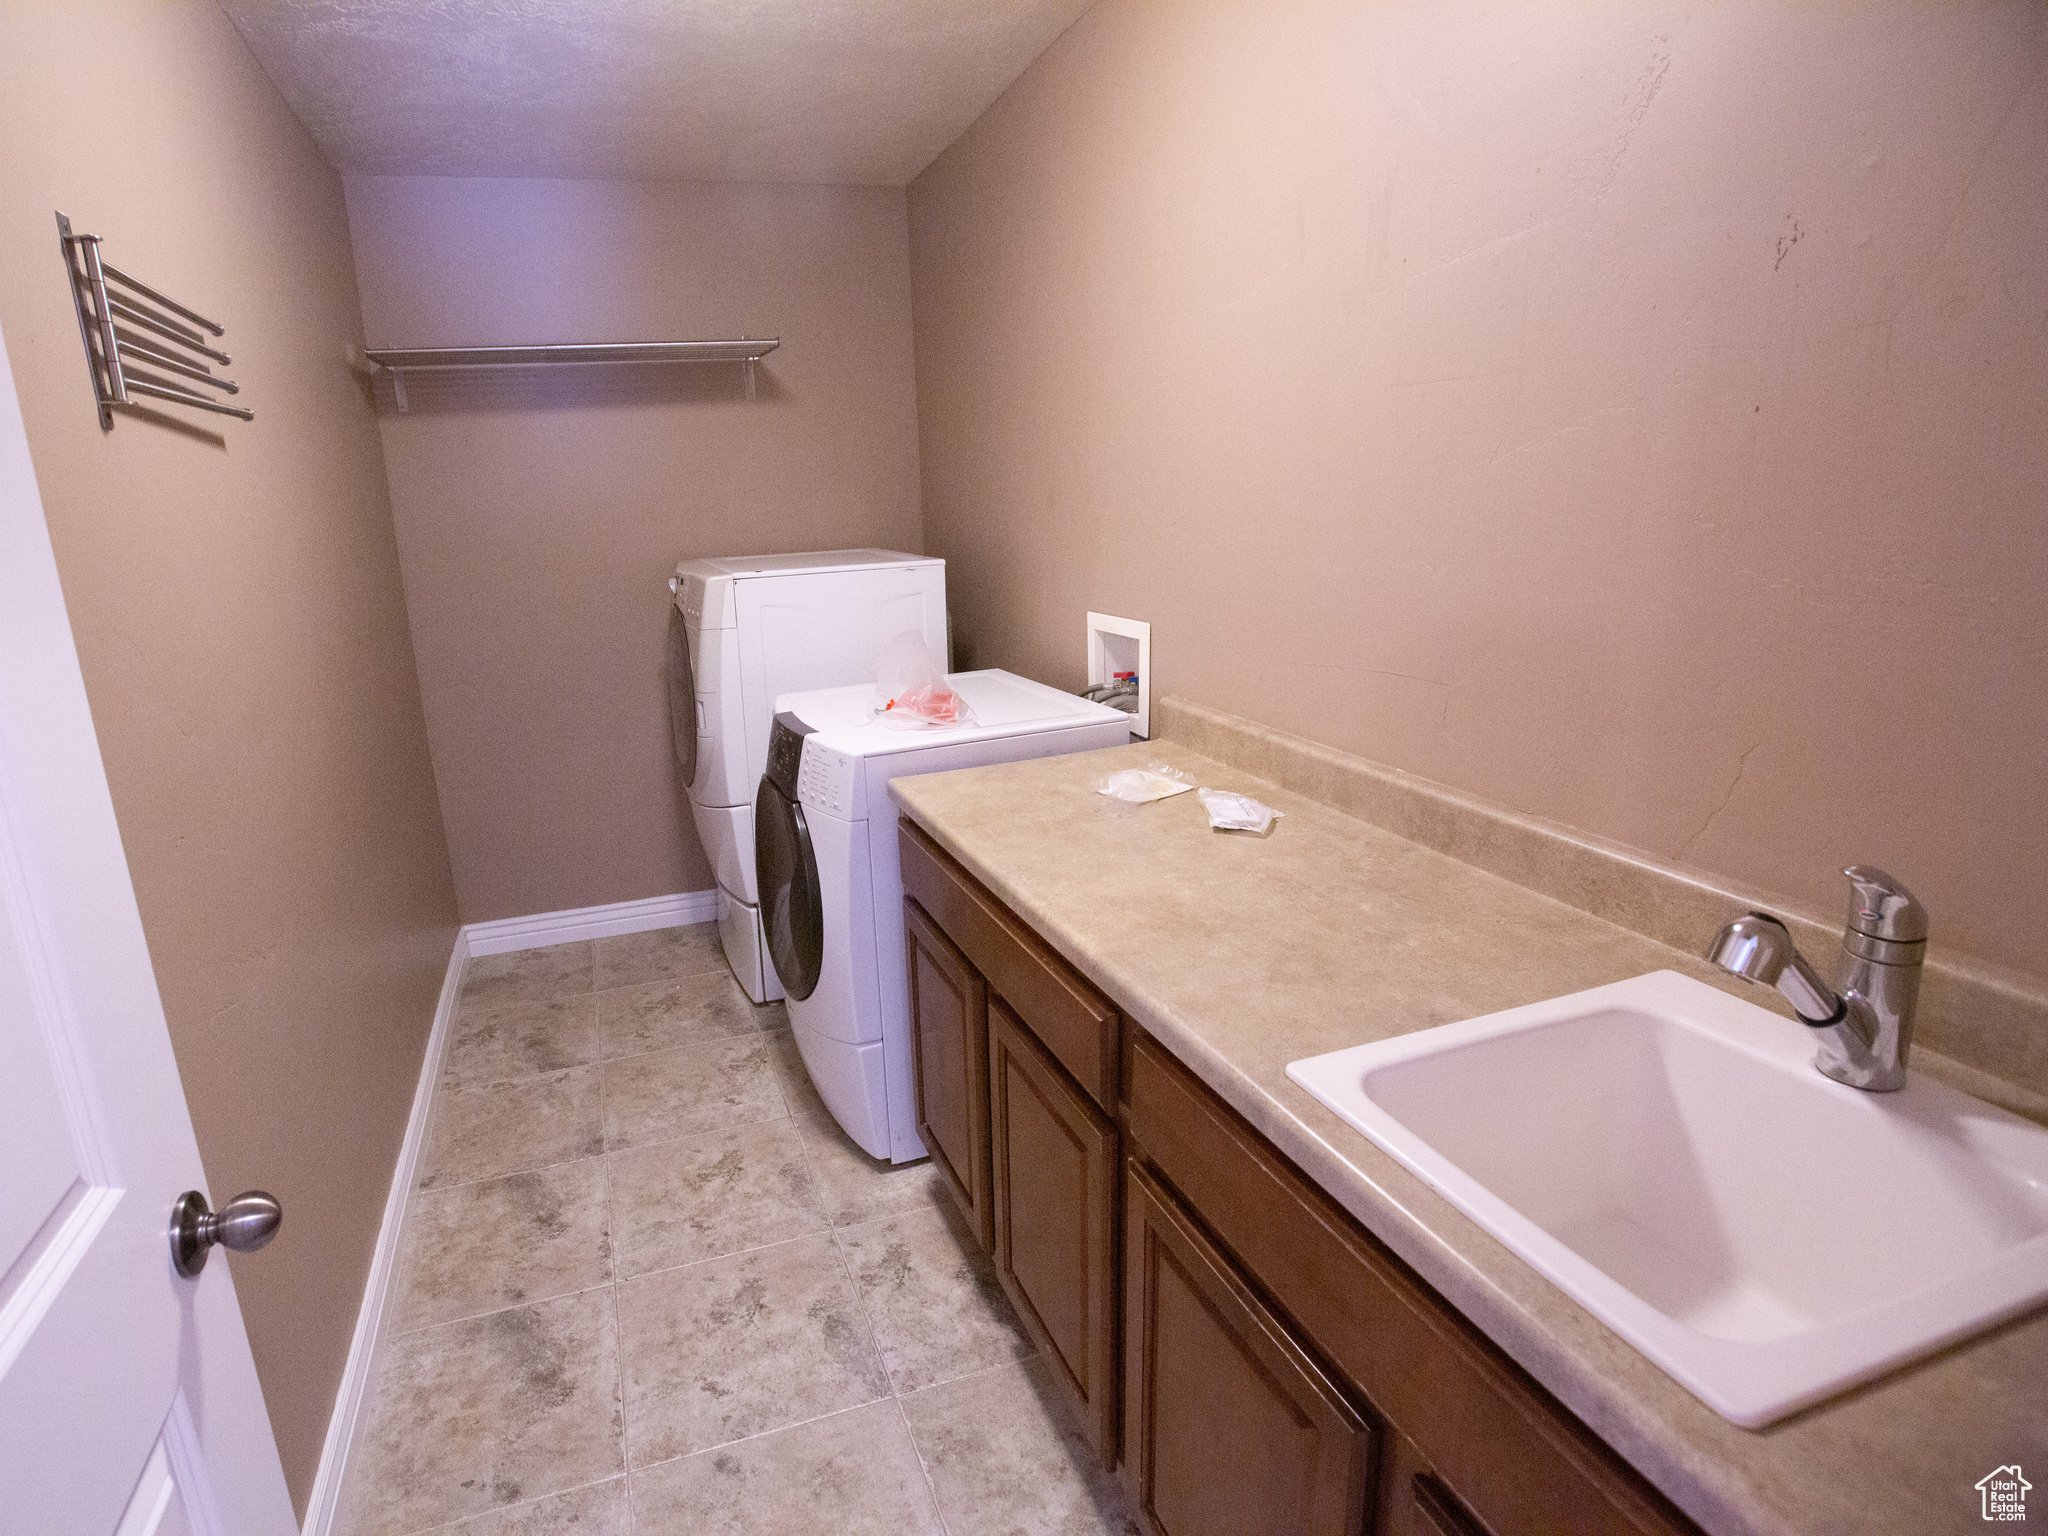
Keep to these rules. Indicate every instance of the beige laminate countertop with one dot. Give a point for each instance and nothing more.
(1241, 954)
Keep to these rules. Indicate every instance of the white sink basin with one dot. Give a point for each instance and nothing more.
(1667, 1155)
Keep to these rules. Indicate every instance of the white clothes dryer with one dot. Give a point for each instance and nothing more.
(745, 630)
(831, 880)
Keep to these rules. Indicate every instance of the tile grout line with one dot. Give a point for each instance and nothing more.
(788, 1116)
(602, 1059)
(485, 1514)
(510, 1173)
(780, 1242)
(809, 1150)
(611, 1243)
(944, 1218)
(604, 1174)
(542, 1000)
(980, 1370)
(867, 1317)
(833, 1228)
(832, 1232)
(665, 1141)
(923, 1468)
(669, 979)
(388, 1334)
(605, 1157)
(385, 1333)
(709, 970)
(412, 1197)
(611, 1228)
(637, 1146)
(828, 1230)
(836, 1228)
(510, 1306)
(892, 1396)
(763, 1434)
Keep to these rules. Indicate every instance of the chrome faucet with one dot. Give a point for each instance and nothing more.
(1865, 1030)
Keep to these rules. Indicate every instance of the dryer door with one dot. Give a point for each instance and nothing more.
(792, 902)
(682, 695)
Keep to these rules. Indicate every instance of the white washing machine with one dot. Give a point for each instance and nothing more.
(745, 630)
(831, 880)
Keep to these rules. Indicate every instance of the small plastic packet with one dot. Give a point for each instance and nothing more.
(910, 691)
(1237, 813)
(1137, 785)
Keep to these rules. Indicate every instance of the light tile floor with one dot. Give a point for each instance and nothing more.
(650, 1287)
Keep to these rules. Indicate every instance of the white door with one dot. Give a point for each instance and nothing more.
(128, 1397)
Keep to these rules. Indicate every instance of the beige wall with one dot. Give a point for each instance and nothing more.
(539, 517)
(239, 617)
(1634, 414)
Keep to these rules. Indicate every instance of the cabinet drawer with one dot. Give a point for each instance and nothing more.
(949, 1065)
(1413, 1500)
(1511, 1455)
(1055, 1158)
(1232, 1426)
(1436, 1512)
(1072, 1020)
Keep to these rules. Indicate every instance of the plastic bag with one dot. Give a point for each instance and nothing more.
(1139, 785)
(1237, 813)
(910, 690)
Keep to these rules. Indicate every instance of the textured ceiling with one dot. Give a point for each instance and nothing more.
(847, 91)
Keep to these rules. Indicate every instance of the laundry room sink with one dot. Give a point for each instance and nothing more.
(1668, 1156)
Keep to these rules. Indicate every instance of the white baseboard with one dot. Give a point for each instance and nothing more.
(355, 1375)
(471, 941)
(544, 928)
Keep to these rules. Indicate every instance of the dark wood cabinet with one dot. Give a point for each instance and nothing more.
(949, 1018)
(1018, 1118)
(1413, 1500)
(1281, 1369)
(1068, 1016)
(1055, 1163)
(1431, 1509)
(1231, 1425)
(1506, 1455)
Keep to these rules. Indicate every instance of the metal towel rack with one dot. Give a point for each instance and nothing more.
(399, 361)
(111, 321)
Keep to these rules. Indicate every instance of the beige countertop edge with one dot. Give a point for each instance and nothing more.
(1676, 1442)
(1439, 1242)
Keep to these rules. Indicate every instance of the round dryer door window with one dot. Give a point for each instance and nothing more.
(792, 902)
(682, 695)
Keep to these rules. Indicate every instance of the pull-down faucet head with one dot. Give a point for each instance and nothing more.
(1757, 947)
(1865, 1030)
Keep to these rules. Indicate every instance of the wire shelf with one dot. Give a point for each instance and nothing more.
(399, 361)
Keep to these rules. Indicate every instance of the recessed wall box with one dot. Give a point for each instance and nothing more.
(1119, 648)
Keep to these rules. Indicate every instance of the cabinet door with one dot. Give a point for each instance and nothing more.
(1413, 1500)
(1232, 1426)
(949, 1057)
(1499, 1446)
(1065, 1014)
(1437, 1510)
(1055, 1157)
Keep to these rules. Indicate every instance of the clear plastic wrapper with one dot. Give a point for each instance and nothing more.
(911, 691)
(1237, 813)
(1138, 785)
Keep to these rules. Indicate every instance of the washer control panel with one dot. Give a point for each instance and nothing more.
(785, 752)
(826, 778)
